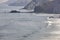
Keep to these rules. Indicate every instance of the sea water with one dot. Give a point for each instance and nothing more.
(27, 26)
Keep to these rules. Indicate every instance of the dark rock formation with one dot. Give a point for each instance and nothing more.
(34, 3)
(51, 17)
(52, 7)
(49, 6)
(14, 11)
(29, 6)
(38, 9)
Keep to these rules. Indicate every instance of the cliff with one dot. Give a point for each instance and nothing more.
(34, 3)
(52, 6)
(49, 6)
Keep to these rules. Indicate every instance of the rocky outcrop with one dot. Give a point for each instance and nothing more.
(29, 6)
(49, 6)
(52, 7)
(34, 3)
(14, 11)
(38, 9)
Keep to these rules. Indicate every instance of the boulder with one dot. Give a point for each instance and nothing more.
(14, 11)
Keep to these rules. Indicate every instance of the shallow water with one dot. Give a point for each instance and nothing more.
(28, 26)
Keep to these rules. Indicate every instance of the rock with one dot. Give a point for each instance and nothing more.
(47, 6)
(33, 3)
(14, 11)
(51, 17)
(30, 6)
(52, 7)
(38, 9)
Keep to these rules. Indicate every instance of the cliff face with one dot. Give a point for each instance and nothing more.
(52, 6)
(34, 3)
(49, 6)
(31, 5)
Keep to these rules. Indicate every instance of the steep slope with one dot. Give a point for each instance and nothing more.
(49, 6)
(34, 3)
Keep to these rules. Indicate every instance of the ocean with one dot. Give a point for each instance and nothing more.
(27, 26)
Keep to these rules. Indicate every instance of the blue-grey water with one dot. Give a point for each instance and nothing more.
(27, 26)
